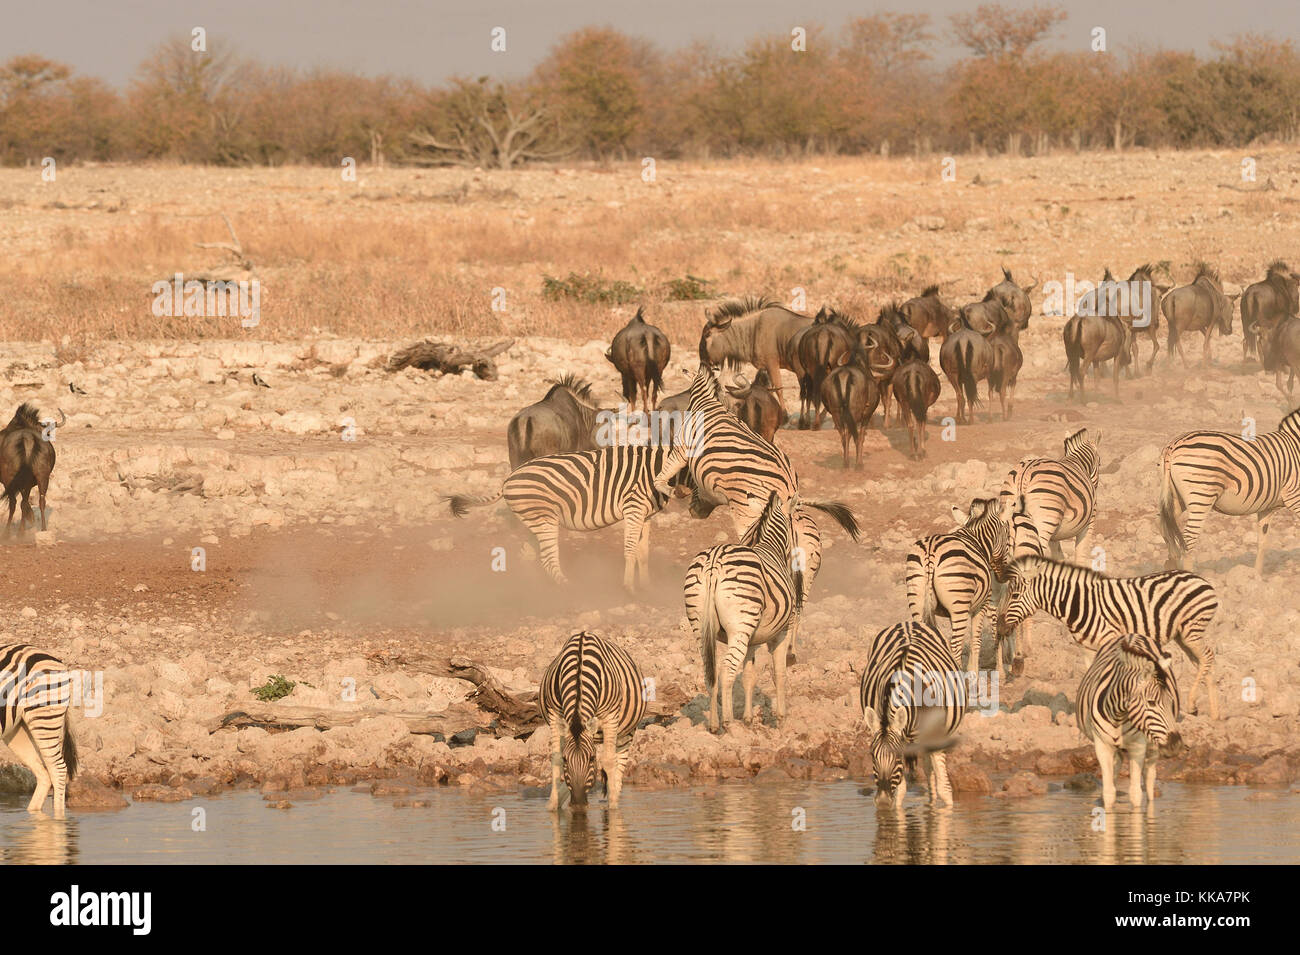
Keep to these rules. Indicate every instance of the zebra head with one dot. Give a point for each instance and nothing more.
(887, 754)
(1020, 597)
(578, 750)
(1154, 706)
(1085, 452)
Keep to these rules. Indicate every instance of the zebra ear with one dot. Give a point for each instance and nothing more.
(872, 720)
(959, 515)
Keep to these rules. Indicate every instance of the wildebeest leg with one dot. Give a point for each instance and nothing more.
(1206, 354)
(1155, 347)
(885, 393)
(41, 488)
(28, 515)
(857, 463)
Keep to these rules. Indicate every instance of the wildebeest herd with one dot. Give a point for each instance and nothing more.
(714, 442)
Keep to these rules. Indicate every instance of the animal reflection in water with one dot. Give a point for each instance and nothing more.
(39, 840)
(596, 838)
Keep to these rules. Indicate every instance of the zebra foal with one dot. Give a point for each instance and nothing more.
(1173, 605)
(35, 693)
(591, 695)
(913, 698)
(745, 595)
(1128, 701)
(1205, 471)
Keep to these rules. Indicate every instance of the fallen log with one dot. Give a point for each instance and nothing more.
(430, 355)
(281, 718)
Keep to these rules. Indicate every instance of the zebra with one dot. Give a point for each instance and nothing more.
(913, 698)
(1128, 700)
(952, 574)
(1024, 542)
(745, 595)
(592, 693)
(726, 459)
(1171, 605)
(585, 491)
(1217, 470)
(36, 690)
(1058, 496)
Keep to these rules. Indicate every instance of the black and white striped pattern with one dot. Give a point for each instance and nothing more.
(745, 595)
(951, 575)
(1058, 496)
(913, 698)
(727, 460)
(1128, 700)
(592, 693)
(36, 691)
(585, 491)
(1025, 542)
(1216, 470)
(1171, 606)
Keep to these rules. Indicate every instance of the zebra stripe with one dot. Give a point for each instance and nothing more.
(913, 698)
(726, 459)
(1216, 470)
(1058, 496)
(951, 575)
(746, 595)
(36, 690)
(586, 491)
(591, 693)
(1128, 700)
(1025, 542)
(1171, 606)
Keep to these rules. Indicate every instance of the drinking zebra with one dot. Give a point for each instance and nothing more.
(745, 595)
(592, 693)
(585, 491)
(913, 698)
(1058, 496)
(35, 692)
(1220, 471)
(1171, 605)
(1025, 542)
(951, 575)
(1128, 700)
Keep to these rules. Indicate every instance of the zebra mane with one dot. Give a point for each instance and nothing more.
(738, 308)
(1037, 564)
(1291, 423)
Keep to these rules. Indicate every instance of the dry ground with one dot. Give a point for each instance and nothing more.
(326, 558)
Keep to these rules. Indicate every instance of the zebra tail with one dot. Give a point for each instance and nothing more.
(69, 749)
(1169, 496)
(709, 629)
(460, 503)
(840, 513)
(928, 599)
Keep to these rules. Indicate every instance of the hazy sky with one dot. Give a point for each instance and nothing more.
(432, 40)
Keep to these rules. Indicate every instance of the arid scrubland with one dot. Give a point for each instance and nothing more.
(329, 560)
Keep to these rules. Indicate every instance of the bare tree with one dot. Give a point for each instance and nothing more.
(994, 30)
(482, 125)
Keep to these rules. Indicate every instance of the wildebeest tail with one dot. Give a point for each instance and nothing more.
(965, 375)
(843, 410)
(1074, 349)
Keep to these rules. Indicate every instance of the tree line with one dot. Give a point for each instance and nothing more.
(873, 86)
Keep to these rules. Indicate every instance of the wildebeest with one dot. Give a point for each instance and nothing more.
(927, 314)
(753, 330)
(26, 461)
(640, 352)
(1143, 316)
(757, 404)
(983, 316)
(1279, 349)
(1091, 338)
(1014, 298)
(966, 358)
(851, 395)
(822, 346)
(916, 388)
(1007, 362)
(1266, 302)
(565, 420)
(1198, 307)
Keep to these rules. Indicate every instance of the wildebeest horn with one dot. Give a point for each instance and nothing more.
(1031, 286)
